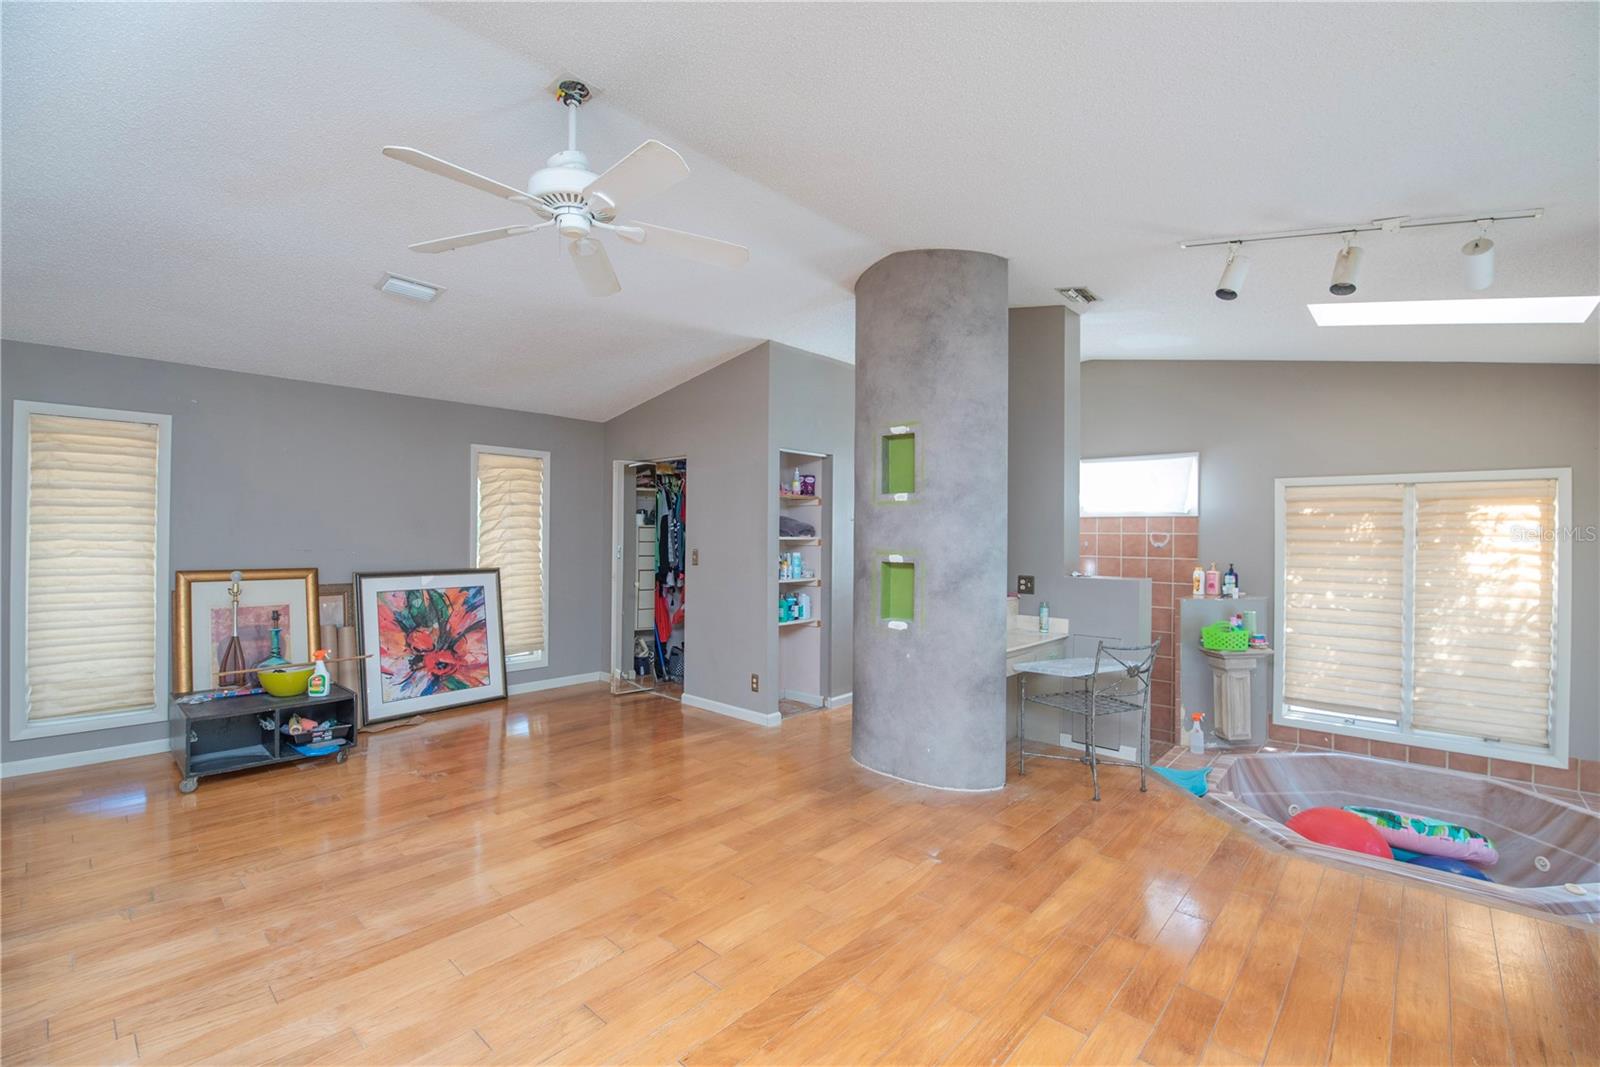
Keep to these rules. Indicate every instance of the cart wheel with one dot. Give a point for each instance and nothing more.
(340, 758)
(188, 785)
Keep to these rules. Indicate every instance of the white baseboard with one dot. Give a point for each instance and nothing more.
(814, 699)
(842, 698)
(40, 764)
(733, 711)
(555, 683)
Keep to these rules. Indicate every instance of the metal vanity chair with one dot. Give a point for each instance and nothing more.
(1117, 681)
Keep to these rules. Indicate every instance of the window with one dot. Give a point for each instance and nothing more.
(89, 611)
(509, 533)
(1140, 485)
(1429, 608)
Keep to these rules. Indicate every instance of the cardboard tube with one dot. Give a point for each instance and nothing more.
(328, 638)
(349, 673)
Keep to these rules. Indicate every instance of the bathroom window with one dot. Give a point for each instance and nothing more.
(89, 608)
(1428, 608)
(511, 492)
(1140, 485)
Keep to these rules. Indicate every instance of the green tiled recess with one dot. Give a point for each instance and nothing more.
(899, 591)
(899, 463)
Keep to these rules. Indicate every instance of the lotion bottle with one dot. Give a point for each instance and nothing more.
(1213, 581)
(1199, 581)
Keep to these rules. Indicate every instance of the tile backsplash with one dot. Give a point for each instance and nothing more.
(1164, 549)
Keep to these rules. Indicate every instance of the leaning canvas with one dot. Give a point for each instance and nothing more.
(433, 641)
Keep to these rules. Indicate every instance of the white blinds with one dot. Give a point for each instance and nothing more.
(1485, 609)
(92, 587)
(511, 537)
(1344, 598)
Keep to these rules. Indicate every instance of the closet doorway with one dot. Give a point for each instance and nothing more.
(649, 564)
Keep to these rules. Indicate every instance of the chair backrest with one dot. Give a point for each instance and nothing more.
(1116, 665)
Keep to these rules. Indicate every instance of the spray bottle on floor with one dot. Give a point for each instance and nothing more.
(1197, 735)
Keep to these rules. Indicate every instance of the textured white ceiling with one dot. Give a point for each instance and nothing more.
(202, 183)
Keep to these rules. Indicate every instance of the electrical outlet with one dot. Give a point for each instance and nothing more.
(755, 683)
(1024, 585)
(694, 557)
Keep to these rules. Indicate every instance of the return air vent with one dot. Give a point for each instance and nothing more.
(1078, 294)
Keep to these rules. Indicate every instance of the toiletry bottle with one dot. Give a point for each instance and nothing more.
(794, 486)
(317, 685)
(1197, 737)
(1044, 617)
(1199, 581)
(1230, 582)
(783, 567)
(1213, 581)
(805, 605)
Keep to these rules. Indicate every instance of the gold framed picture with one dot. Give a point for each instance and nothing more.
(203, 620)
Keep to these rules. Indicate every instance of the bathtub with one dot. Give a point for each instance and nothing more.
(1549, 850)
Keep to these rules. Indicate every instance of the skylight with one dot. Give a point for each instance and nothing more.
(1483, 311)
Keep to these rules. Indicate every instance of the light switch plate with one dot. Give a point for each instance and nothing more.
(1024, 585)
(755, 683)
(694, 557)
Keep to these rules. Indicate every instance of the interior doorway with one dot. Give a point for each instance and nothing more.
(649, 567)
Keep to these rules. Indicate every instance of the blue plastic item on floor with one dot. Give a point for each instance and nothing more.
(318, 750)
(1194, 781)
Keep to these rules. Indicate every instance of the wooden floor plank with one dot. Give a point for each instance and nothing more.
(568, 877)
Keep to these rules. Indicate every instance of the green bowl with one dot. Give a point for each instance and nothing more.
(285, 683)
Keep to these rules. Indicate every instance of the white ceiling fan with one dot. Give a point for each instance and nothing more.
(578, 203)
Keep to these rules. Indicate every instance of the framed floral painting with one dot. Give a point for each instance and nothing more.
(433, 640)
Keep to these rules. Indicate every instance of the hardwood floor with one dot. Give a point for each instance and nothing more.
(572, 878)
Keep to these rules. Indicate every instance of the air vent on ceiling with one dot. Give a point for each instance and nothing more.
(410, 288)
(1078, 294)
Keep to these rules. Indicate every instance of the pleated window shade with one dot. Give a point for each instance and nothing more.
(1485, 609)
(93, 594)
(511, 537)
(1344, 599)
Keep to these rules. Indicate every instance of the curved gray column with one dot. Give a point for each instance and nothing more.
(931, 354)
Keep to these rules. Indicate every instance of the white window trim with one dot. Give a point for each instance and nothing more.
(1149, 514)
(1402, 733)
(21, 727)
(529, 660)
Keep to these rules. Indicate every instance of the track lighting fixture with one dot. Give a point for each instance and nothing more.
(1233, 273)
(1480, 260)
(1346, 266)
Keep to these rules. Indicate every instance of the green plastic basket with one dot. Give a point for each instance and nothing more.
(1222, 637)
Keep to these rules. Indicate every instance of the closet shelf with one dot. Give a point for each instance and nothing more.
(799, 581)
(799, 622)
(800, 540)
(799, 498)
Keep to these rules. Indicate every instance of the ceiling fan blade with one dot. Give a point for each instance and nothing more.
(693, 246)
(645, 171)
(594, 267)
(445, 169)
(445, 244)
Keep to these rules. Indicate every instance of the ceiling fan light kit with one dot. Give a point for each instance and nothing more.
(582, 205)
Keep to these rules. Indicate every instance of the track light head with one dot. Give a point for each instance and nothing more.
(1233, 273)
(1479, 253)
(1346, 268)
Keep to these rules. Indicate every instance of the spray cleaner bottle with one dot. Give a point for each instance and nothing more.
(317, 685)
(1197, 735)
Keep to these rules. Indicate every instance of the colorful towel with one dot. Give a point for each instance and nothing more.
(1431, 837)
(1194, 781)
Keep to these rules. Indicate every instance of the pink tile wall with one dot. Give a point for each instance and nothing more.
(1164, 549)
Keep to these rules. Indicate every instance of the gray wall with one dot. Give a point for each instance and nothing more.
(1042, 532)
(812, 403)
(930, 701)
(1253, 422)
(369, 481)
(718, 420)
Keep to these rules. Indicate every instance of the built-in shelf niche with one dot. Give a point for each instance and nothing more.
(897, 592)
(897, 463)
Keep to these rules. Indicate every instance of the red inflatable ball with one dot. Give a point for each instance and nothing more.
(1340, 829)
